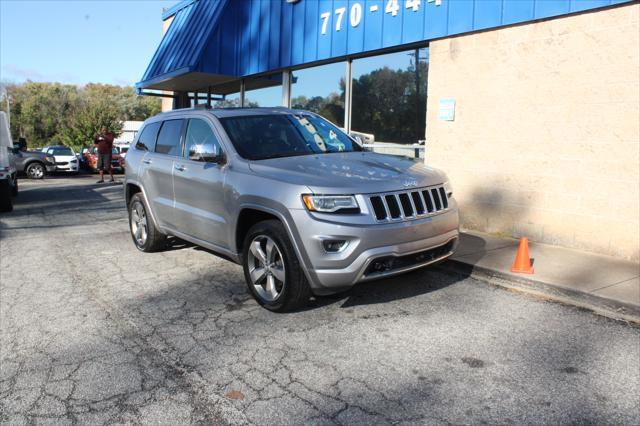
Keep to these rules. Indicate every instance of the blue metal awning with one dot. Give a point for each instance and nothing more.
(182, 46)
(214, 43)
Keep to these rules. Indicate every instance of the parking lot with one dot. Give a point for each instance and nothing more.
(94, 331)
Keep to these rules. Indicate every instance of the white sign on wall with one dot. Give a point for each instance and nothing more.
(447, 109)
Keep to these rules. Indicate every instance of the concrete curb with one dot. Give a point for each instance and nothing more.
(600, 305)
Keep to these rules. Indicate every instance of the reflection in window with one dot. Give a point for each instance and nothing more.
(390, 96)
(231, 93)
(264, 91)
(258, 137)
(169, 138)
(320, 90)
(199, 133)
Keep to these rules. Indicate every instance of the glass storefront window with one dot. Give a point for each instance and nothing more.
(320, 90)
(230, 101)
(390, 96)
(263, 91)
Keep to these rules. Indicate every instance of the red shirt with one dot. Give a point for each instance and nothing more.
(104, 143)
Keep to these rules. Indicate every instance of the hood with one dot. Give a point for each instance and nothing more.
(350, 172)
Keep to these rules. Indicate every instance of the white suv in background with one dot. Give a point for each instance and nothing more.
(66, 158)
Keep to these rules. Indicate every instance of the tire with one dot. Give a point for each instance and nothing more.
(150, 239)
(35, 170)
(268, 288)
(14, 188)
(6, 204)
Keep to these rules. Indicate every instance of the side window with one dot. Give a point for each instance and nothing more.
(199, 133)
(147, 139)
(169, 138)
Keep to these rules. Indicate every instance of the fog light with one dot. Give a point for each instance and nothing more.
(334, 246)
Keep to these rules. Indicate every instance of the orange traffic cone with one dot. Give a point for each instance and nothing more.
(522, 264)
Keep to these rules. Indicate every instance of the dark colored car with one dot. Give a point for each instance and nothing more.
(35, 164)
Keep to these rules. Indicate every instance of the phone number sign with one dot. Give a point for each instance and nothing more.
(354, 17)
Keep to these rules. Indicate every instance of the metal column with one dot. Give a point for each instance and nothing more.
(181, 100)
(286, 89)
(348, 92)
(242, 93)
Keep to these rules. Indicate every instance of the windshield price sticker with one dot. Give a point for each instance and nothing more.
(354, 15)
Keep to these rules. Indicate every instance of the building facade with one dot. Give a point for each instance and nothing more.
(531, 106)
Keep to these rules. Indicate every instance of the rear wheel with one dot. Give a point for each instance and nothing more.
(144, 232)
(272, 270)
(35, 171)
(6, 204)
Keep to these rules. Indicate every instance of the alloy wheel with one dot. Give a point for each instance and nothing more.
(266, 268)
(36, 171)
(139, 225)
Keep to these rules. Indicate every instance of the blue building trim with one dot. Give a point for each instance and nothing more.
(175, 9)
(240, 38)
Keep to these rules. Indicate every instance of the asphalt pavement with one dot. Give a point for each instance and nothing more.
(93, 331)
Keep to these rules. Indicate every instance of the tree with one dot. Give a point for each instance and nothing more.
(387, 103)
(51, 113)
(91, 114)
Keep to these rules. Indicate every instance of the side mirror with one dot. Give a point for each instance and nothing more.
(209, 153)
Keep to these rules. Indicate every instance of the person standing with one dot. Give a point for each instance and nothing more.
(104, 144)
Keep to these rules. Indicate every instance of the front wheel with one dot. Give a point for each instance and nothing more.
(144, 232)
(14, 189)
(272, 270)
(35, 171)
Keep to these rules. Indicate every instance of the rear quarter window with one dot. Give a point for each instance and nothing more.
(148, 136)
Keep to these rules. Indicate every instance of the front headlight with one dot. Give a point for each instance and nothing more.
(331, 203)
(50, 159)
(448, 189)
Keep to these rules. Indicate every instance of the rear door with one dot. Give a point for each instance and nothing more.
(199, 188)
(157, 171)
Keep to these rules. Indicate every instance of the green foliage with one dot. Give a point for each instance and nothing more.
(391, 104)
(330, 107)
(53, 113)
(234, 103)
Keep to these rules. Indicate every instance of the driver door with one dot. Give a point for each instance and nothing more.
(199, 188)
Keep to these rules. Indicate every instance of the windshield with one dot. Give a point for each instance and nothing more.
(60, 151)
(258, 137)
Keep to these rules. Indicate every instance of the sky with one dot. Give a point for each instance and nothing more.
(112, 41)
(79, 41)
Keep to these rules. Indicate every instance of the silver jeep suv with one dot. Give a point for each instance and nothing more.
(287, 195)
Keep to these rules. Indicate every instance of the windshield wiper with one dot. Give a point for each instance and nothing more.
(296, 154)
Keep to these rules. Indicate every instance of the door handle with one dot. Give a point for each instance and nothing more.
(179, 167)
(146, 161)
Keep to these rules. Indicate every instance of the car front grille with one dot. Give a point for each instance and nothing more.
(61, 163)
(406, 205)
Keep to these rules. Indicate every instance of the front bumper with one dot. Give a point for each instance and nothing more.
(373, 251)
(50, 168)
(69, 167)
